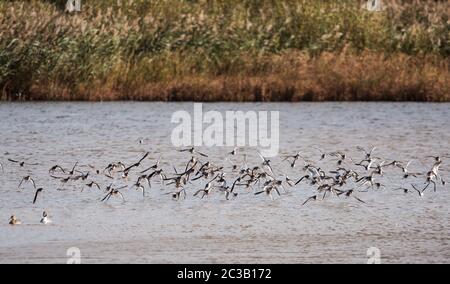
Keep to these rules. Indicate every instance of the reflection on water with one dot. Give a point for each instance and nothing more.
(406, 228)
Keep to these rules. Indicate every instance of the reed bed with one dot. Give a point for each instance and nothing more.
(225, 50)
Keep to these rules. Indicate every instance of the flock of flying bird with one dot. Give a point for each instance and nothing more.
(347, 179)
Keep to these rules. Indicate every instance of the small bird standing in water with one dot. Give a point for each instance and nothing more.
(45, 220)
(14, 221)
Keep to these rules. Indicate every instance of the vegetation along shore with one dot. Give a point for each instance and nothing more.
(225, 50)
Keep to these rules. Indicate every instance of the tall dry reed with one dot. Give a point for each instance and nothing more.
(225, 50)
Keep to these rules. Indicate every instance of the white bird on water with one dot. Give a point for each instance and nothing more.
(45, 220)
(14, 221)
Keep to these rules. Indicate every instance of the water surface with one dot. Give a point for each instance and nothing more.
(406, 228)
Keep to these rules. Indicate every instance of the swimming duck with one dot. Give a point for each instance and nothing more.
(14, 221)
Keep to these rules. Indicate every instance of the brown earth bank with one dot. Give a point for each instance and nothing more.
(288, 77)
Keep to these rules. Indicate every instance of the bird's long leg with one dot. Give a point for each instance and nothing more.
(278, 192)
(425, 188)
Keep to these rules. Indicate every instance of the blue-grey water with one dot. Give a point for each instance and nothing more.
(155, 229)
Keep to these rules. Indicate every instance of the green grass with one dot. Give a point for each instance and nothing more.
(142, 49)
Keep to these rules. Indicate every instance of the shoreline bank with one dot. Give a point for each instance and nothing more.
(293, 77)
(217, 50)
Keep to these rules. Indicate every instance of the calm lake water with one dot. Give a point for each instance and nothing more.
(155, 229)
